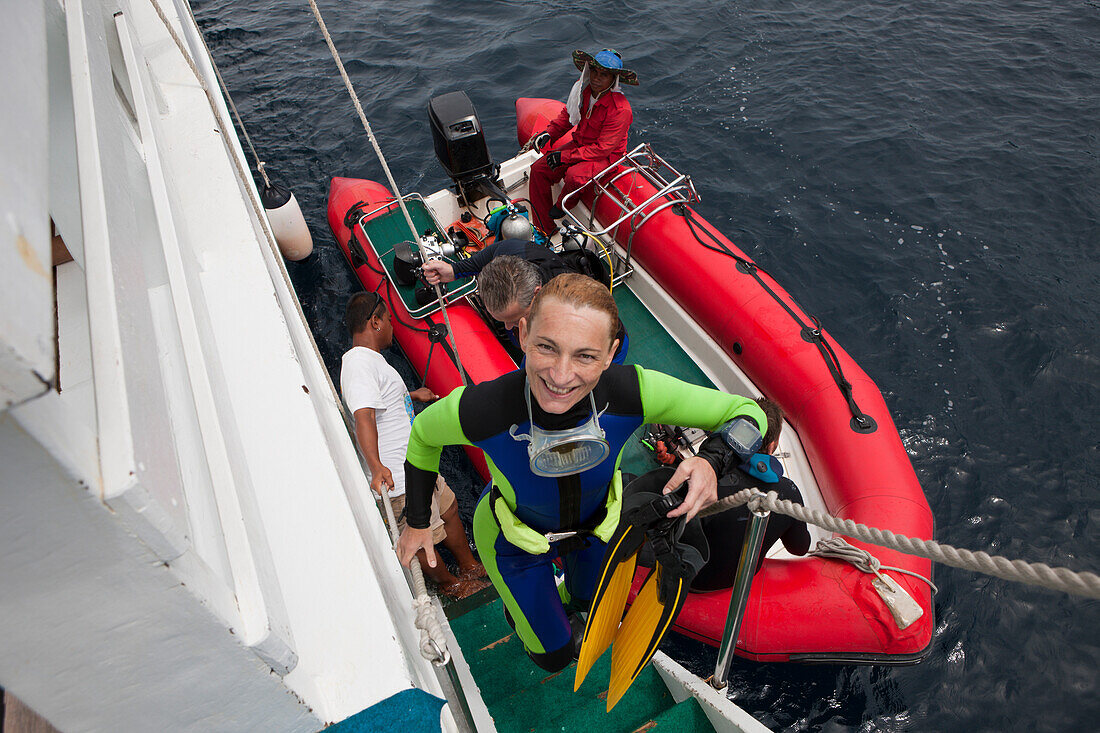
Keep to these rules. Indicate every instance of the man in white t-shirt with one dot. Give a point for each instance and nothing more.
(381, 407)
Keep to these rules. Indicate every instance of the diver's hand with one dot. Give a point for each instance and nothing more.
(412, 541)
(437, 272)
(553, 159)
(423, 395)
(702, 486)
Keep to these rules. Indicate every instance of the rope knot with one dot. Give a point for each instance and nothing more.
(761, 503)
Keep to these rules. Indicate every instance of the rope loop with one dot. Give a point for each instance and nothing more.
(260, 165)
(757, 501)
(838, 548)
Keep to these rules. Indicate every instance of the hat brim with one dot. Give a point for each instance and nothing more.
(626, 76)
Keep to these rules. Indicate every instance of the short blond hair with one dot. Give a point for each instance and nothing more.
(579, 291)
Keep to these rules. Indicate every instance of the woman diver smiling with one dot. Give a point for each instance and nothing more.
(552, 434)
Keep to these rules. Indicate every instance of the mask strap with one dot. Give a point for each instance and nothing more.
(527, 397)
(513, 431)
(595, 418)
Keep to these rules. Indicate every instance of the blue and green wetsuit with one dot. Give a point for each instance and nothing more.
(519, 507)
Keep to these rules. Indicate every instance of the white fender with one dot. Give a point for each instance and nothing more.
(287, 223)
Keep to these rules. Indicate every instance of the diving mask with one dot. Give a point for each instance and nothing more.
(555, 453)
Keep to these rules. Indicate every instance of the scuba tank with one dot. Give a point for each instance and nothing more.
(513, 222)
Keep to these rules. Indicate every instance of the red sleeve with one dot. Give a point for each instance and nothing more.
(559, 126)
(612, 136)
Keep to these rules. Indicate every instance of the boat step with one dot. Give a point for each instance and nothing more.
(685, 717)
(523, 698)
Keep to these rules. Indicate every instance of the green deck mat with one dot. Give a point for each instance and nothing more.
(686, 717)
(650, 345)
(522, 697)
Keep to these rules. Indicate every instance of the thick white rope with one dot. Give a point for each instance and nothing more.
(1062, 579)
(433, 645)
(389, 176)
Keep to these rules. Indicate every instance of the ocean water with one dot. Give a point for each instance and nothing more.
(923, 177)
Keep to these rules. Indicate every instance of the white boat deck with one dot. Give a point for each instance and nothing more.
(184, 539)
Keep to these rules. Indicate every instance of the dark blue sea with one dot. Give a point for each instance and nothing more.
(923, 177)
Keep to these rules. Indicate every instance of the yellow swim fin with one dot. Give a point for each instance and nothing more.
(679, 556)
(609, 601)
(642, 629)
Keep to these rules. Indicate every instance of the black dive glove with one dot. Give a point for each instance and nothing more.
(553, 159)
(536, 142)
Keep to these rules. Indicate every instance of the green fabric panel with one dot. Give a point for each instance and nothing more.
(390, 228)
(671, 401)
(518, 533)
(436, 426)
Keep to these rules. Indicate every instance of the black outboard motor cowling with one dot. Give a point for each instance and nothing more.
(459, 140)
(461, 148)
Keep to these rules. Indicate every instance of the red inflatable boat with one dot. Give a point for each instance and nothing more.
(740, 331)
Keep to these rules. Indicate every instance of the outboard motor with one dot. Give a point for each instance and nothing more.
(461, 148)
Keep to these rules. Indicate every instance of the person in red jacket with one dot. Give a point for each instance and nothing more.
(599, 116)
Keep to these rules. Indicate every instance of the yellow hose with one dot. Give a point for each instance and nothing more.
(607, 256)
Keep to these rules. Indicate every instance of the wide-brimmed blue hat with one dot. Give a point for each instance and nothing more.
(607, 59)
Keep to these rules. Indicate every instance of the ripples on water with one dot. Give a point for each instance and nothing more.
(922, 177)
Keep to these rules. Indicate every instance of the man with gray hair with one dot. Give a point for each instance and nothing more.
(509, 273)
(507, 286)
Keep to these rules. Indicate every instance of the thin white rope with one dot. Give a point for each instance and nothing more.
(1062, 579)
(228, 97)
(362, 115)
(435, 648)
(838, 548)
(389, 176)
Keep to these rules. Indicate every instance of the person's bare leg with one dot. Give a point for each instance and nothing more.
(459, 546)
(441, 574)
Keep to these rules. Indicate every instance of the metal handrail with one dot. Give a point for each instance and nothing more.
(647, 171)
(739, 596)
(642, 160)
